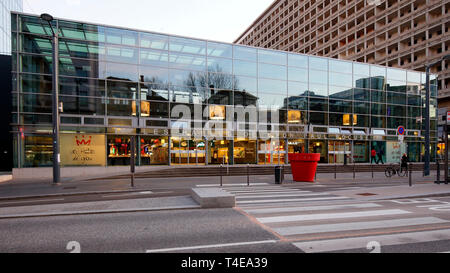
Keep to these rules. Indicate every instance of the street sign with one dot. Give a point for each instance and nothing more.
(401, 131)
(448, 117)
(401, 139)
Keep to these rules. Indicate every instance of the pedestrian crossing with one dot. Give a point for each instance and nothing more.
(298, 216)
(270, 195)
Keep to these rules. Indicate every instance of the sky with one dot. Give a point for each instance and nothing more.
(217, 20)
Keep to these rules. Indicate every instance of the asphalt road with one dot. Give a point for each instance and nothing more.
(255, 226)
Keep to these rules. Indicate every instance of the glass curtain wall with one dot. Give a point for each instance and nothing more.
(121, 82)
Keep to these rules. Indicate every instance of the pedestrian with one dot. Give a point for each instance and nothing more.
(373, 156)
(380, 156)
(404, 164)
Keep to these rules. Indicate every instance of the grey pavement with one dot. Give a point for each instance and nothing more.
(38, 188)
(100, 207)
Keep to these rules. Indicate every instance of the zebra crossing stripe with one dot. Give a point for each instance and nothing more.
(283, 195)
(291, 200)
(300, 230)
(383, 240)
(231, 185)
(323, 216)
(315, 208)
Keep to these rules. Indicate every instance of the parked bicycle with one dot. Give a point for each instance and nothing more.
(394, 169)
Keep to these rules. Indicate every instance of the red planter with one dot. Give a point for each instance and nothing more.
(304, 166)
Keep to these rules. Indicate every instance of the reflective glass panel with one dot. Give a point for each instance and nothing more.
(36, 83)
(396, 98)
(298, 60)
(340, 106)
(361, 94)
(339, 79)
(272, 86)
(32, 24)
(271, 100)
(298, 103)
(82, 87)
(121, 36)
(318, 63)
(297, 89)
(361, 69)
(245, 84)
(83, 105)
(272, 71)
(121, 107)
(273, 57)
(154, 41)
(341, 92)
(378, 122)
(320, 77)
(220, 50)
(155, 75)
(378, 71)
(188, 94)
(80, 31)
(122, 54)
(220, 65)
(341, 66)
(187, 78)
(244, 98)
(318, 118)
(378, 109)
(220, 97)
(220, 81)
(396, 86)
(244, 53)
(36, 64)
(361, 107)
(244, 68)
(35, 103)
(414, 77)
(297, 74)
(396, 111)
(396, 74)
(318, 90)
(122, 72)
(362, 82)
(154, 57)
(316, 104)
(187, 61)
(119, 89)
(190, 46)
(378, 83)
(35, 44)
(81, 68)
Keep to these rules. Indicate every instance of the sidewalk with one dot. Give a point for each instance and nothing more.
(11, 190)
(397, 192)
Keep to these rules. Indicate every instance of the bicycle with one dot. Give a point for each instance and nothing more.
(395, 169)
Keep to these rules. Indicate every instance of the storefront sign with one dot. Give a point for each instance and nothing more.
(394, 151)
(83, 150)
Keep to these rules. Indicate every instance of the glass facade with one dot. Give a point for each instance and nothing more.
(6, 6)
(117, 83)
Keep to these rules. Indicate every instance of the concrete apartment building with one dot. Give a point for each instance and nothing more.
(394, 33)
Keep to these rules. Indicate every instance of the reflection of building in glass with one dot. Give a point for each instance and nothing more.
(118, 83)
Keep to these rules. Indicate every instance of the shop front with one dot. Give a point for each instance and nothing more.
(272, 152)
(187, 151)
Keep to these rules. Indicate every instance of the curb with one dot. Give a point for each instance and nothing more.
(98, 212)
(68, 194)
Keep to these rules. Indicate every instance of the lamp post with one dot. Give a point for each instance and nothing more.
(55, 104)
(426, 170)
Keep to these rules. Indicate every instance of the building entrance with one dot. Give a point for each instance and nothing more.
(340, 152)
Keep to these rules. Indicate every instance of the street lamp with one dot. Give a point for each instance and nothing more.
(55, 104)
(427, 114)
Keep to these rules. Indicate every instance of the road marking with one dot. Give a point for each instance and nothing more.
(315, 208)
(256, 192)
(282, 195)
(323, 216)
(384, 240)
(292, 200)
(209, 246)
(231, 185)
(299, 230)
(31, 201)
(126, 194)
